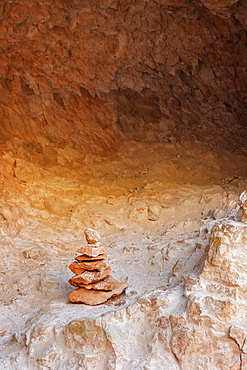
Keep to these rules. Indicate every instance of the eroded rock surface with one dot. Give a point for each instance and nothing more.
(77, 75)
(214, 325)
(193, 314)
(203, 326)
(127, 117)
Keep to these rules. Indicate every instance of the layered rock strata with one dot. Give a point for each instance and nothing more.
(92, 279)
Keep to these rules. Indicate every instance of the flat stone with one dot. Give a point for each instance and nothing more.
(80, 267)
(94, 245)
(92, 236)
(108, 283)
(95, 297)
(91, 251)
(84, 257)
(88, 277)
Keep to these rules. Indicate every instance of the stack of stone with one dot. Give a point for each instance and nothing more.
(92, 279)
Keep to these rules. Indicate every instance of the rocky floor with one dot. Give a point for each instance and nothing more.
(155, 210)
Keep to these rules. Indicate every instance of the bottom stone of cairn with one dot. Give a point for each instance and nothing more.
(94, 284)
(94, 297)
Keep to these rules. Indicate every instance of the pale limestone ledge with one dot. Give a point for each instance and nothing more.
(165, 329)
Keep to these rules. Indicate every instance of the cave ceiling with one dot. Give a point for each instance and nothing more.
(86, 74)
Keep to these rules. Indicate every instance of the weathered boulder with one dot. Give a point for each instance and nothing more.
(214, 323)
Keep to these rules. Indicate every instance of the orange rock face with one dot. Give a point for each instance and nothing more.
(76, 76)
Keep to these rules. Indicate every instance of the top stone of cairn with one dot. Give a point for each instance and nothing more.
(92, 236)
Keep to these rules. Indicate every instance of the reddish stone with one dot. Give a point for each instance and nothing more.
(92, 236)
(91, 251)
(108, 283)
(79, 267)
(88, 277)
(84, 257)
(95, 297)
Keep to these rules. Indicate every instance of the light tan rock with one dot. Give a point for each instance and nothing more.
(93, 297)
(154, 212)
(84, 257)
(238, 334)
(92, 236)
(91, 251)
(89, 277)
(244, 213)
(86, 336)
(212, 330)
(80, 267)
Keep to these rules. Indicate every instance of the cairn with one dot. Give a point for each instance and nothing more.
(92, 277)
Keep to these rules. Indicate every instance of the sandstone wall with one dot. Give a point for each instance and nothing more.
(78, 74)
(128, 117)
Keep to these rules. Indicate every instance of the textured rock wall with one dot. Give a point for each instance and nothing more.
(202, 327)
(215, 322)
(83, 79)
(75, 74)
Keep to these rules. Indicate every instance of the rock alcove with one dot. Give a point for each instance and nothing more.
(128, 117)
